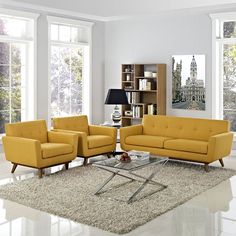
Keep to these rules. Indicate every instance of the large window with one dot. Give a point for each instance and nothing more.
(69, 70)
(16, 69)
(224, 67)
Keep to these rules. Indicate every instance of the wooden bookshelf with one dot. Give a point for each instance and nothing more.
(144, 91)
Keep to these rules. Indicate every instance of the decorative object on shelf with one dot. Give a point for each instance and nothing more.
(188, 82)
(128, 77)
(128, 69)
(154, 74)
(116, 97)
(147, 74)
(129, 113)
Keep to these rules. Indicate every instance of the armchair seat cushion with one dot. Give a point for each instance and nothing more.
(187, 145)
(95, 141)
(55, 149)
(146, 140)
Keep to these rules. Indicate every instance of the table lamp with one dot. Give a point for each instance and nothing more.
(116, 97)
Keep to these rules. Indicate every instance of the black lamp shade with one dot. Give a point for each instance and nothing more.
(116, 97)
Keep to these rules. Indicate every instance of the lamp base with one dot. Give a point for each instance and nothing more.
(116, 116)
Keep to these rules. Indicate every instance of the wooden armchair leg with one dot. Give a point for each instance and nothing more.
(13, 167)
(109, 155)
(40, 173)
(85, 161)
(206, 167)
(221, 162)
(67, 165)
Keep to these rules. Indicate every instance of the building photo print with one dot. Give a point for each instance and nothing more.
(188, 82)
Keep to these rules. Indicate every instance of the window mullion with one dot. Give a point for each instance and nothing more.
(58, 80)
(10, 82)
(221, 80)
(70, 79)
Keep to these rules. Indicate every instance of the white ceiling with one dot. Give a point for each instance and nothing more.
(116, 8)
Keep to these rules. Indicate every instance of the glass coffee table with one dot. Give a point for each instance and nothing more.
(126, 170)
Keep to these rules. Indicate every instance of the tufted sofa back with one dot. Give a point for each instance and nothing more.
(74, 123)
(185, 128)
(30, 129)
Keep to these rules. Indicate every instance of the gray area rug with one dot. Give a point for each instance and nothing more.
(69, 194)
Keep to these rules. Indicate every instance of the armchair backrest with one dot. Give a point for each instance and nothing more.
(73, 123)
(30, 129)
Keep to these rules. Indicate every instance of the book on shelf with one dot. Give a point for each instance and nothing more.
(144, 84)
(129, 97)
(135, 98)
(152, 109)
(136, 111)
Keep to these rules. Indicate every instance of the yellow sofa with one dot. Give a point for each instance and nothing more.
(199, 140)
(93, 140)
(30, 144)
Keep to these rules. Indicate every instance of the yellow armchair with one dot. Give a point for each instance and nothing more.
(93, 140)
(30, 144)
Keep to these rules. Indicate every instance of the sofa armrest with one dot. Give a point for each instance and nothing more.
(22, 150)
(82, 140)
(63, 137)
(128, 131)
(220, 146)
(103, 130)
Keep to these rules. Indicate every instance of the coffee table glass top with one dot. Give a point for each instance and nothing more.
(129, 166)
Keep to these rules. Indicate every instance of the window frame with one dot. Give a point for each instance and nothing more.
(218, 42)
(31, 57)
(88, 84)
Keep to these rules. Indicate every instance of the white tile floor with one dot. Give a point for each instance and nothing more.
(212, 213)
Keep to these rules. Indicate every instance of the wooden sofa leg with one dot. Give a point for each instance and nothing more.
(206, 167)
(13, 167)
(221, 162)
(40, 173)
(85, 161)
(67, 165)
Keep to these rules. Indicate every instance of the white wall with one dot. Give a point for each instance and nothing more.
(154, 40)
(98, 73)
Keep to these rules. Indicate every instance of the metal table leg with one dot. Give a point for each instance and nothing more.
(105, 183)
(139, 189)
(147, 181)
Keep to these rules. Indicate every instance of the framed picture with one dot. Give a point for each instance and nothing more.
(188, 82)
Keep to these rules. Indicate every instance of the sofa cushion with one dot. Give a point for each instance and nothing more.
(95, 141)
(146, 140)
(186, 145)
(55, 149)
